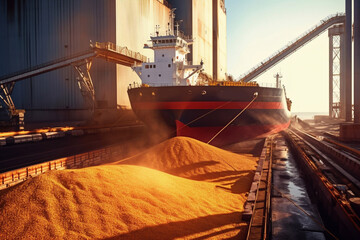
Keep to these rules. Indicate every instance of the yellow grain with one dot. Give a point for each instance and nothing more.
(179, 189)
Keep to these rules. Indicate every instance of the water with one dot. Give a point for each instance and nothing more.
(308, 115)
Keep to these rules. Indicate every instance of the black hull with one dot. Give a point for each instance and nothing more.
(202, 111)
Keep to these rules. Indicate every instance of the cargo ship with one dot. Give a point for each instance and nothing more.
(173, 99)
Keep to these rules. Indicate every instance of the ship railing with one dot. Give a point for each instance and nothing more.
(182, 35)
(270, 85)
(179, 33)
(137, 85)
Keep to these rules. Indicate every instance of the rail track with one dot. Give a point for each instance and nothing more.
(332, 172)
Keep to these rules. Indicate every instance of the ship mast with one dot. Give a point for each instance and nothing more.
(278, 77)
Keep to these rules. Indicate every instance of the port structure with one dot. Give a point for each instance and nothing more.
(293, 46)
(82, 63)
(332, 171)
(337, 71)
(339, 63)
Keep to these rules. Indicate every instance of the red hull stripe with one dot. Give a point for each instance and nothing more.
(230, 134)
(206, 105)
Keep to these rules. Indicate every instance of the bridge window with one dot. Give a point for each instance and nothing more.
(159, 75)
(146, 66)
(148, 75)
(150, 66)
(163, 55)
(154, 66)
(169, 65)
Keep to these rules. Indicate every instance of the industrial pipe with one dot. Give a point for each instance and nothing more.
(356, 61)
(348, 88)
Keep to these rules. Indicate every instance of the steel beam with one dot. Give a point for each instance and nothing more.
(47, 67)
(356, 61)
(336, 72)
(348, 87)
(342, 74)
(108, 51)
(5, 96)
(85, 83)
(331, 57)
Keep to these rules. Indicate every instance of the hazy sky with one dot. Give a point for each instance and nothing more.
(256, 29)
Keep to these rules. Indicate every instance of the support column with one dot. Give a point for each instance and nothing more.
(348, 98)
(5, 96)
(336, 72)
(342, 74)
(331, 57)
(16, 116)
(86, 84)
(356, 61)
(215, 26)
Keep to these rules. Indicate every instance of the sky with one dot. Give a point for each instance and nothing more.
(258, 28)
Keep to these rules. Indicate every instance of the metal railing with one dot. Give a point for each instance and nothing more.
(87, 159)
(137, 85)
(118, 49)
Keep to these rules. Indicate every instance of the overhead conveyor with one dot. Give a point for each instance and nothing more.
(293, 46)
(82, 62)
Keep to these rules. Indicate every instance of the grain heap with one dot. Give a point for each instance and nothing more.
(190, 158)
(123, 201)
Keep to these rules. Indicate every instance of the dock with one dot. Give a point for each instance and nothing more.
(306, 184)
(314, 185)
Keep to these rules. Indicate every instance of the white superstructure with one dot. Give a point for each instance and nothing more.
(170, 66)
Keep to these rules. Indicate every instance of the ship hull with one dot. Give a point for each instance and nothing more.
(202, 112)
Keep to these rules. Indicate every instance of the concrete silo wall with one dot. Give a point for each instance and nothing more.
(38, 31)
(221, 46)
(202, 24)
(135, 21)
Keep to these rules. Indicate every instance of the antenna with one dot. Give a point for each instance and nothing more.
(177, 27)
(278, 77)
(157, 27)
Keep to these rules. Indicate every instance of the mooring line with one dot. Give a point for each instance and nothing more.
(205, 114)
(254, 97)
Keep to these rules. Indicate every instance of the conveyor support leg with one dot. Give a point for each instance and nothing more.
(86, 84)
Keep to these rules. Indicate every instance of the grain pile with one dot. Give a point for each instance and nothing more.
(128, 201)
(190, 158)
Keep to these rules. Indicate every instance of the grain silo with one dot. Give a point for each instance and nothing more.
(40, 31)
